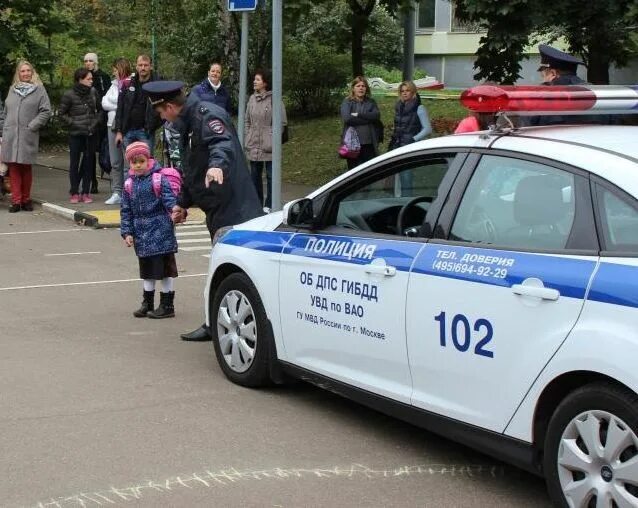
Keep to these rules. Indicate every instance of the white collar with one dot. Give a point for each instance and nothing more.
(214, 87)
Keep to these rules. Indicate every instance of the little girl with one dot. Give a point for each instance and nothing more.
(146, 224)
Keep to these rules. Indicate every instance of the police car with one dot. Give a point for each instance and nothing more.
(483, 286)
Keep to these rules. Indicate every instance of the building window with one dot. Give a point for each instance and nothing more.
(427, 9)
(464, 26)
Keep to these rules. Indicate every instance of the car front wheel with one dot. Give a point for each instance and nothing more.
(241, 334)
(591, 449)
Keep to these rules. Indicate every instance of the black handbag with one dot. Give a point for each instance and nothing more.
(285, 135)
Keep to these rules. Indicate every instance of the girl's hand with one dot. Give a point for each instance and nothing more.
(128, 240)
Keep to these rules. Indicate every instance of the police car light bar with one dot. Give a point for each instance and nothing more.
(566, 100)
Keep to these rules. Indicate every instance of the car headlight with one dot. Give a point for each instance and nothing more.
(220, 233)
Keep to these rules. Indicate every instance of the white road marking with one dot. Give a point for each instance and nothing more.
(88, 283)
(195, 240)
(191, 226)
(193, 233)
(44, 231)
(73, 253)
(201, 247)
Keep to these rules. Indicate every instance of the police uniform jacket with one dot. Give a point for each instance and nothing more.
(125, 103)
(209, 140)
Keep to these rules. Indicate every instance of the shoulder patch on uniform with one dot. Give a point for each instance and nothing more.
(216, 126)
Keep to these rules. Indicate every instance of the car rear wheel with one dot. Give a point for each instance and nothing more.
(241, 334)
(591, 449)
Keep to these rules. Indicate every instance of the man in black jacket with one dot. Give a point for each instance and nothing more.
(135, 118)
(216, 176)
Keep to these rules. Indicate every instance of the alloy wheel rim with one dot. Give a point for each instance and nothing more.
(237, 331)
(598, 462)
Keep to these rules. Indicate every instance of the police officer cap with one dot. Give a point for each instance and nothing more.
(162, 91)
(552, 58)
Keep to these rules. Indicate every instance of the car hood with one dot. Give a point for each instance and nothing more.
(268, 222)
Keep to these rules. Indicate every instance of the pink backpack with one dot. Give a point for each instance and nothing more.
(173, 176)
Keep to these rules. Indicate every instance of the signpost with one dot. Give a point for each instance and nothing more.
(243, 6)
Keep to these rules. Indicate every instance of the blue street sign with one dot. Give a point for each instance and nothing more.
(242, 5)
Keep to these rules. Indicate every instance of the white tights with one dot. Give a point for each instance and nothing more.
(167, 285)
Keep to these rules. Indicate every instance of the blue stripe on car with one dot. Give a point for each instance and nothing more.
(613, 284)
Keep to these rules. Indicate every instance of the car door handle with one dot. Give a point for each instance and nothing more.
(378, 269)
(537, 292)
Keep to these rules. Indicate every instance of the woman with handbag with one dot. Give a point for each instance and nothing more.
(80, 110)
(258, 137)
(360, 111)
(27, 109)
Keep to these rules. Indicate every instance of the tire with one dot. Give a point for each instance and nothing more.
(591, 448)
(241, 334)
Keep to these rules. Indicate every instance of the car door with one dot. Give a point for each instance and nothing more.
(492, 299)
(343, 286)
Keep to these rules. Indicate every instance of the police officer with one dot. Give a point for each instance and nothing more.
(558, 67)
(216, 177)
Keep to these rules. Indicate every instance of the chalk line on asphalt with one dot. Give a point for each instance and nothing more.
(208, 479)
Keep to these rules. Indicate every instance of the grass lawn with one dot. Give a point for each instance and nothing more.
(310, 157)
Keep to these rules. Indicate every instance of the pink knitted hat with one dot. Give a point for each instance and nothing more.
(137, 148)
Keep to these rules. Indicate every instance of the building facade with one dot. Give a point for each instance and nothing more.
(445, 48)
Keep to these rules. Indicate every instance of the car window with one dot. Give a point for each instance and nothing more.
(620, 223)
(375, 204)
(516, 203)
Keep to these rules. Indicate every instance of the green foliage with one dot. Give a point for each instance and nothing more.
(390, 75)
(329, 24)
(601, 32)
(25, 26)
(310, 87)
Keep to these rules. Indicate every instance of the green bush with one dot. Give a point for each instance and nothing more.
(314, 89)
(390, 75)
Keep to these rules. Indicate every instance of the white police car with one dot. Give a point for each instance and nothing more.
(483, 286)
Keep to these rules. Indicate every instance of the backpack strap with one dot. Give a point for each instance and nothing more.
(157, 183)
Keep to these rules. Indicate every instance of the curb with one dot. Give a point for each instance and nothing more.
(83, 218)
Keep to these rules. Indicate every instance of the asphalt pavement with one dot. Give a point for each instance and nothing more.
(100, 409)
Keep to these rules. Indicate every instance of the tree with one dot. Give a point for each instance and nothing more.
(25, 26)
(600, 32)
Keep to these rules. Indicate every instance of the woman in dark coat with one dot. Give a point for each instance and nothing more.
(27, 110)
(80, 110)
(359, 110)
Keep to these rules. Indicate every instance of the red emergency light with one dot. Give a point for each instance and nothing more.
(492, 99)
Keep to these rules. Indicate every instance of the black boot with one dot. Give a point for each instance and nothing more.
(202, 334)
(148, 304)
(165, 308)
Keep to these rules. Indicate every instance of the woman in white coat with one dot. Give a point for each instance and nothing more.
(121, 77)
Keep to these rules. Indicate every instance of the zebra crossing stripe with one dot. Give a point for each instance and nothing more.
(192, 249)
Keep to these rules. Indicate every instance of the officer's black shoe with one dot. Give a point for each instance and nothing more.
(14, 208)
(148, 304)
(166, 308)
(27, 206)
(202, 334)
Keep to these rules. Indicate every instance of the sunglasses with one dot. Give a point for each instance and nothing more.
(88, 61)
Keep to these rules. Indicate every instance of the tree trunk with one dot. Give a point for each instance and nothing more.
(598, 67)
(359, 25)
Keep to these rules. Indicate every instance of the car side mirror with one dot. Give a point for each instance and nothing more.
(299, 213)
